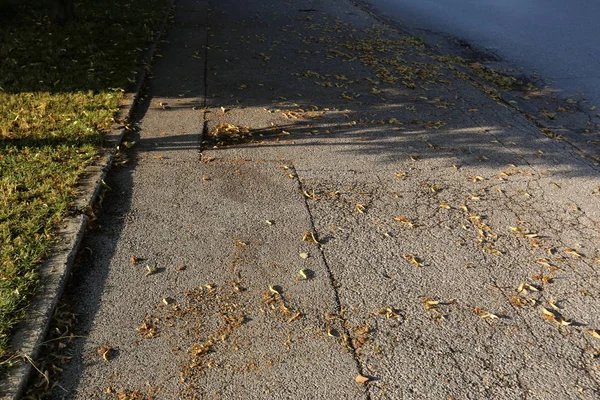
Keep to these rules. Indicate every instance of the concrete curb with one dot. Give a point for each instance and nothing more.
(29, 336)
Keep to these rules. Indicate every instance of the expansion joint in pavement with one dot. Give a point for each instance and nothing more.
(333, 282)
(205, 96)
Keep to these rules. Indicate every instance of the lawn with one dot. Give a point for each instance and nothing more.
(59, 90)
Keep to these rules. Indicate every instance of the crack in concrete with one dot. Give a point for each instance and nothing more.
(334, 284)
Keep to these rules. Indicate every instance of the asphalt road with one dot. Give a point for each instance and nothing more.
(559, 39)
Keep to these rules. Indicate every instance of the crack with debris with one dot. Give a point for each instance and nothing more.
(334, 285)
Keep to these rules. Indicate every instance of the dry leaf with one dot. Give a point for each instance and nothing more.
(304, 255)
(360, 208)
(151, 270)
(303, 274)
(389, 312)
(362, 379)
(446, 206)
(272, 289)
(546, 279)
(413, 260)
(484, 314)
(526, 286)
(310, 238)
(594, 332)
(552, 303)
(310, 196)
(295, 316)
(404, 221)
(573, 253)
(105, 352)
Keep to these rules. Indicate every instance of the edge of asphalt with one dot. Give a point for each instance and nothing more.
(30, 333)
(509, 99)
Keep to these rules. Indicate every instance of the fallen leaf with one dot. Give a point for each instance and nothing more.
(105, 352)
(389, 312)
(484, 314)
(552, 303)
(594, 332)
(546, 279)
(413, 260)
(362, 379)
(151, 270)
(573, 253)
(405, 221)
(310, 238)
(310, 196)
(304, 255)
(295, 316)
(360, 208)
(526, 286)
(303, 274)
(273, 289)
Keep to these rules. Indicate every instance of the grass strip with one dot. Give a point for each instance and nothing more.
(59, 89)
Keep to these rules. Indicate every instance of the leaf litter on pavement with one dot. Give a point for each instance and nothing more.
(391, 63)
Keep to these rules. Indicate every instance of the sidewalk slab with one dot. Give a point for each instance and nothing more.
(457, 253)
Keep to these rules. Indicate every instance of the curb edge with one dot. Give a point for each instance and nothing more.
(29, 335)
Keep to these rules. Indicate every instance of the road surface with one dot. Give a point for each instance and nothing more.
(559, 39)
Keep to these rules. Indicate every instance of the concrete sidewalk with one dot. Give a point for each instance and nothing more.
(316, 199)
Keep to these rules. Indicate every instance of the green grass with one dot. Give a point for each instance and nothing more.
(59, 89)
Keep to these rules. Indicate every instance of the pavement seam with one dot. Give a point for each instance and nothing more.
(204, 132)
(30, 335)
(334, 284)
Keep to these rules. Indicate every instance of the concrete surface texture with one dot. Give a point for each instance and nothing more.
(318, 207)
(558, 39)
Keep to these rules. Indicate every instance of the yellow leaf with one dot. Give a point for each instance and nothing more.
(310, 196)
(446, 206)
(552, 303)
(273, 289)
(362, 379)
(527, 286)
(484, 314)
(573, 253)
(404, 221)
(547, 312)
(304, 255)
(593, 332)
(360, 208)
(310, 238)
(413, 260)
